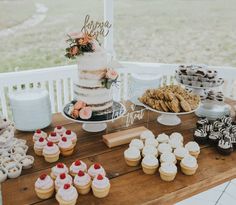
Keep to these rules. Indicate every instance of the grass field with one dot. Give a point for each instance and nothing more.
(177, 31)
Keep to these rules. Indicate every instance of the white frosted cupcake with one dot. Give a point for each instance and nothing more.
(101, 186)
(168, 171)
(54, 137)
(39, 145)
(59, 130)
(82, 182)
(193, 148)
(189, 165)
(151, 142)
(39, 133)
(44, 187)
(96, 169)
(51, 152)
(136, 143)
(163, 138)
(63, 179)
(149, 150)
(71, 135)
(132, 156)
(66, 146)
(164, 147)
(168, 157)
(177, 136)
(67, 195)
(180, 153)
(58, 169)
(150, 164)
(146, 134)
(77, 166)
(174, 142)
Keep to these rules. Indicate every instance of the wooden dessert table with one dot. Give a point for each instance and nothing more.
(129, 185)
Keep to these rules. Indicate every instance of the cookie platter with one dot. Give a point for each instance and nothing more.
(96, 123)
(170, 101)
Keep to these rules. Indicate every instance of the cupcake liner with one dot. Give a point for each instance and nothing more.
(167, 176)
(38, 152)
(83, 189)
(44, 193)
(101, 193)
(149, 169)
(52, 158)
(188, 170)
(62, 202)
(194, 154)
(133, 162)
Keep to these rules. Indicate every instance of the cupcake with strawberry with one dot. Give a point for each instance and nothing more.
(96, 169)
(67, 195)
(39, 133)
(101, 186)
(39, 145)
(77, 166)
(59, 130)
(44, 186)
(51, 152)
(54, 137)
(82, 182)
(70, 135)
(66, 146)
(58, 169)
(63, 179)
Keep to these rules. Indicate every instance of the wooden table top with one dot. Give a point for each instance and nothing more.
(129, 185)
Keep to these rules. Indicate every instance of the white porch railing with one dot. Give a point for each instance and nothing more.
(59, 80)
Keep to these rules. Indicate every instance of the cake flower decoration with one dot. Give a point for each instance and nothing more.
(80, 109)
(110, 78)
(79, 43)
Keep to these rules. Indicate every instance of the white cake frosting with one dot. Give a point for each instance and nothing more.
(181, 152)
(50, 150)
(68, 194)
(146, 134)
(151, 141)
(149, 150)
(164, 147)
(40, 145)
(82, 180)
(60, 182)
(94, 172)
(163, 138)
(101, 184)
(136, 143)
(177, 136)
(56, 170)
(45, 183)
(189, 161)
(168, 157)
(192, 146)
(150, 160)
(174, 142)
(132, 153)
(76, 168)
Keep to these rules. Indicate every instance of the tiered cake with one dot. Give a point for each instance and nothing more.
(92, 69)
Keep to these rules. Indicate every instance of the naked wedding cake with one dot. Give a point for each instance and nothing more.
(92, 91)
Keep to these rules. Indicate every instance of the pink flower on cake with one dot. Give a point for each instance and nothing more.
(85, 113)
(74, 50)
(79, 105)
(111, 74)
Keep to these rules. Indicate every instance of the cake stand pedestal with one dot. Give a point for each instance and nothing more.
(94, 127)
(96, 123)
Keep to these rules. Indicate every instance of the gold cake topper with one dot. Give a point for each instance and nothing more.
(95, 28)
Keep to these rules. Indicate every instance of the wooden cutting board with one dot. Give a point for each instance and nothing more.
(122, 137)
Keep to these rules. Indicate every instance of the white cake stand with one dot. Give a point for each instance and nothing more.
(168, 118)
(98, 125)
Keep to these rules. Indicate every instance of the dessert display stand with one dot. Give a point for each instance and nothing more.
(211, 110)
(168, 118)
(97, 123)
